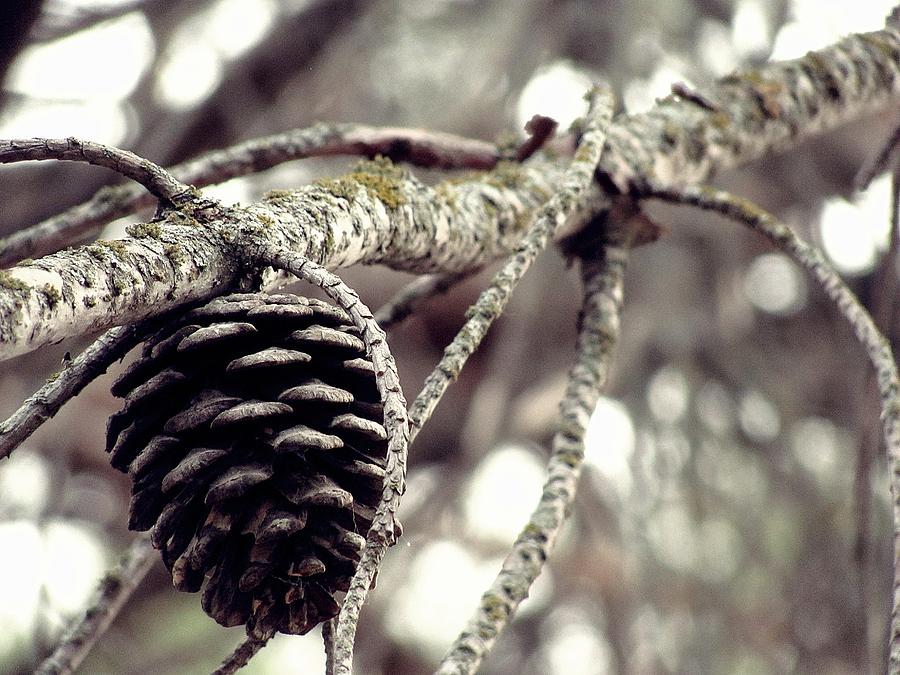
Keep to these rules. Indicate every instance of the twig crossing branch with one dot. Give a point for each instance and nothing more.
(547, 221)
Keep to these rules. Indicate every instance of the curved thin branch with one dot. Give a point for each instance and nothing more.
(156, 179)
(84, 369)
(418, 147)
(241, 656)
(385, 527)
(416, 293)
(599, 331)
(548, 219)
(877, 347)
(114, 590)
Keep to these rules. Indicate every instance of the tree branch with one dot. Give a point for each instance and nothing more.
(241, 656)
(385, 217)
(599, 331)
(427, 149)
(548, 220)
(157, 180)
(413, 295)
(67, 384)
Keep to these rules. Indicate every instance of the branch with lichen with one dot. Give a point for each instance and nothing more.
(159, 182)
(386, 216)
(877, 348)
(115, 588)
(603, 279)
(427, 149)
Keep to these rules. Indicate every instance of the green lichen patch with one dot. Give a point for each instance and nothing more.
(272, 195)
(506, 175)
(117, 247)
(144, 230)
(9, 282)
(179, 218)
(380, 177)
(52, 294)
(175, 253)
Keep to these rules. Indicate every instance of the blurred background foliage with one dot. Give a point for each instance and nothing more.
(733, 516)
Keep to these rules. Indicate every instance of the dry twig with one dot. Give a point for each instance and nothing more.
(241, 656)
(84, 369)
(599, 331)
(412, 296)
(156, 179)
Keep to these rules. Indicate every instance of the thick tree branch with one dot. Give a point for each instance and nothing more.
(383, 216)
(427, 149)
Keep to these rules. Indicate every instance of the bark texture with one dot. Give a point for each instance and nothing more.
(381, 214)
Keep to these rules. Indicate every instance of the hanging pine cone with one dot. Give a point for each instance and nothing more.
(252, 432)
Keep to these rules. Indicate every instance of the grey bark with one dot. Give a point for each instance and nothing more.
(386, 216)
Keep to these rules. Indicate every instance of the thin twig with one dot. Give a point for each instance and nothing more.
(877, 347)
(540, 129)
(83, 370)
(328, 629)
(880, 162)
(414, 295)
(548, 220)
(241, 656)
(599, 331)
(115, 588)
(156, 179)
(882, 303)
(415, 146)
(385, 527)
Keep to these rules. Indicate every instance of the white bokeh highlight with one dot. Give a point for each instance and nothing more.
(775, 285)
(556, 91)
(502, 493)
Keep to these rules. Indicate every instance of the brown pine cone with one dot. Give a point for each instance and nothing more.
(252, 432)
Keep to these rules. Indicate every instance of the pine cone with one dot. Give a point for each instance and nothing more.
(252, 432)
